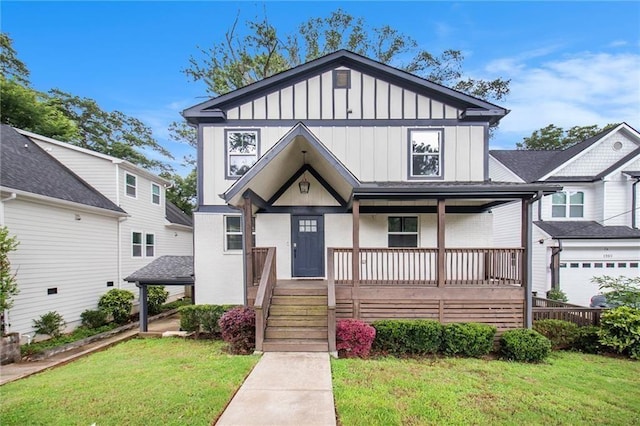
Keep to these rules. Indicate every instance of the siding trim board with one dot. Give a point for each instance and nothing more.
(370, 122)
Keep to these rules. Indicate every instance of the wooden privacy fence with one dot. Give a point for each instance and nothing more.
(419, 266)
(554, 309)
(268, 278)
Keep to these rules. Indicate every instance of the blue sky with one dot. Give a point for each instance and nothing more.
(570, 63)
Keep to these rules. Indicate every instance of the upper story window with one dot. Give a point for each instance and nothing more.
(242, 151)
(136, 244)
(233, 233)
(155, 194)
(403, 231)
(131, 185)
(425, 151)
(567, 204)
(341, 79)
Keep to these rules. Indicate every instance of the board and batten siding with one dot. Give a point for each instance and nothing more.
(97, 172)
(78, 257)
(375, 153)
(315, 98)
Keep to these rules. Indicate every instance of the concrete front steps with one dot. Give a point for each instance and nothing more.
(297, 320)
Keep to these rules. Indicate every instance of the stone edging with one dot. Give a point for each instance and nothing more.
(78, 343)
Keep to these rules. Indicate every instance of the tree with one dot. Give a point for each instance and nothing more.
(553, 137)
(12, 67)
(241, 60)
(8, 284)
(183, 191)
(28, 109)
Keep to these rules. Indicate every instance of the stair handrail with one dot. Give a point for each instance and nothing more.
(263, 297)
(331, 303)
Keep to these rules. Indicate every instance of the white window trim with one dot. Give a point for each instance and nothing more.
(155, 244)
(159, 194)
(225, 233)
(411, 154)
(228, 155)
(567, 205)
(142, 241)
(417, 233)
(126, 185)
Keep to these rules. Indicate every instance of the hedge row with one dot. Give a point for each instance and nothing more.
(202, 318)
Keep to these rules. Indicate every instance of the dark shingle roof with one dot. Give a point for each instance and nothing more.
(27, 167)
(533, 165)
(177, 216)
(165, 270)
(586, 229)
(440, 188)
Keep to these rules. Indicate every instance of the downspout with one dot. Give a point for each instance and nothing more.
(119, 258)
(529, 275)
(634, 204)
(555, 263)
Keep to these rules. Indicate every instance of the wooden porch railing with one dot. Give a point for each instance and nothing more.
(419, 266)
(259, 256)
(331, 303)
(553, 309)
(268, 278)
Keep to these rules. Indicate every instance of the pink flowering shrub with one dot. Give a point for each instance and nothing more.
(238, 329)
(354, 338)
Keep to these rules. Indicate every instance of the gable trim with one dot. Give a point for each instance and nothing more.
(315, 174)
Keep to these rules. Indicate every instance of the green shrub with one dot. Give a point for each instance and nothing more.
(562, 334)
(176, 304)
(620, 291)
(587, 340)
(468, 339)
(557, 294)
(156, 296)
(202, 318)
(407, 337)
(620, 330)
(118, 304)
(524, 345)
(238, 328)
(93, 318)
(77, 334)
(354, 338)
(51, 324)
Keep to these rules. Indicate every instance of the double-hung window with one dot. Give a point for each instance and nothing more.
(155, 194)
(136, 244)
(242, 151)
(567, 204)
(130, 184)
(233, 233)
(425, 151)
(150, 245)
(403, 231)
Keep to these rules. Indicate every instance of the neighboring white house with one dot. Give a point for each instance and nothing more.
(345, 152)
(85, 221)
(591, 227)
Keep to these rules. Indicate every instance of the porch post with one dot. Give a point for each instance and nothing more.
(525, 235)
(144, 318)
(355, 261)
(441, 253)
(247, 211)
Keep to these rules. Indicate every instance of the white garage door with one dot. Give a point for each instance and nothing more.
(575, 276)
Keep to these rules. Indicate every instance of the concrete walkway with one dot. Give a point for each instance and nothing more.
(284, 388)
(20, 370)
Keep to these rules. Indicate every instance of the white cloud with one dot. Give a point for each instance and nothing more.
(618, 43)
(583, 89)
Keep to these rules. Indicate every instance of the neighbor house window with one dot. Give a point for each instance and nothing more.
(155, 194)
(150, 245)
(425, 150)
(242, 151)
(403, 231)
(233, 233)
(130, 185)
(136, 244)
(567, 204)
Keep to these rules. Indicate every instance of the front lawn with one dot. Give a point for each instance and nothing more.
(570, 388)
(141, 381)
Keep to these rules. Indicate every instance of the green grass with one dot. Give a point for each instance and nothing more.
(138, 382)
(570, 388)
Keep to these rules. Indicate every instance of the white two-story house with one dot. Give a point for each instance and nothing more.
(85, 221)
(363, 182)
(591, 227)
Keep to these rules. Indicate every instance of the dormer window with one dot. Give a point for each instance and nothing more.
(341, 79)
(242, 151)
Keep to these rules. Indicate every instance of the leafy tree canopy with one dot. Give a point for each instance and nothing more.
(239, 60)
(553, 137)
(10, 66)
(183, 191)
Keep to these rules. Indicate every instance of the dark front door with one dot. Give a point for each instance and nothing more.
(307, 246)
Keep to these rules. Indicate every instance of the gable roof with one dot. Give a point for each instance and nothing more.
(29, 168)
(586, 229)
(475, 108)
(174, 215)
(531, 165)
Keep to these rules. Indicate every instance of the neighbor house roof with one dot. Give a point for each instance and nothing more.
(531, 165)
(177, 216)
(586, 229)
(475, 108)
(29, 168)
(167, 270)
